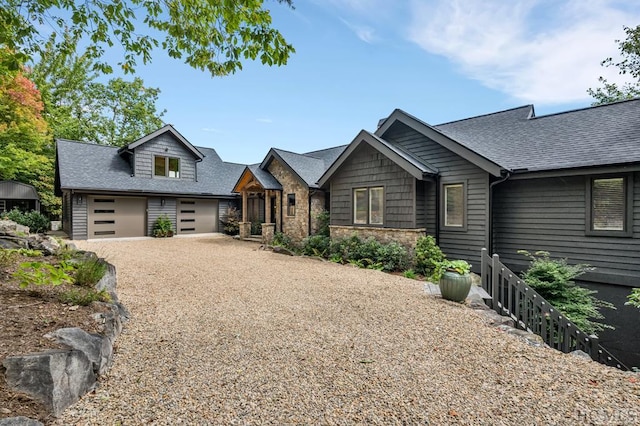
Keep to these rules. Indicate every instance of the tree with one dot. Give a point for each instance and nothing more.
(209, 35)
(77, 106)
(630, 64)
(26, 152)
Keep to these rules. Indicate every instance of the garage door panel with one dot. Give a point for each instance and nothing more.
(197, 216)
(113, 217)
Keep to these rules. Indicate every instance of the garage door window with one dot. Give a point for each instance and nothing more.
(166, 167)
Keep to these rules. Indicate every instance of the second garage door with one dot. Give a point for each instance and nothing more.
(197, 216)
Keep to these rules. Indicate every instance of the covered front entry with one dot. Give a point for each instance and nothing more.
(196, 216)
(116, 217)
(261, 196)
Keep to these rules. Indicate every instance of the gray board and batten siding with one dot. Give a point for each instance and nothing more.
(155, 209)
(167, 146)
(550, 214)
(366, 167)
(467, 242)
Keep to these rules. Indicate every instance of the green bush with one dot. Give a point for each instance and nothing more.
(162, 227)
(37, 222)
(427, 255)
(89, 271)
(634, 298)
(316, 245)
(231, 221)
(40, 273)
(554, 279)
(410, 273)
(282, 240)
(323, 223)
(369, 253)
(83, 296)
(8, 257)
(256, 228)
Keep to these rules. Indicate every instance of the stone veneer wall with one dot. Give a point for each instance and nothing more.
(406, 237)
(317, 207)
(296, 227)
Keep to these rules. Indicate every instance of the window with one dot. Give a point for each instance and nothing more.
(453, 205)
(368, 206)
(291, 204)
(609, 211)
(166, 166)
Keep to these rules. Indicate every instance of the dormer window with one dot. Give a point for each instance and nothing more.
(166, 166)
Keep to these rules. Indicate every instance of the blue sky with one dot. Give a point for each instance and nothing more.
(358, 60)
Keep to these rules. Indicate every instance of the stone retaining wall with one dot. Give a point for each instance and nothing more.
(58, 378)
(406, 237)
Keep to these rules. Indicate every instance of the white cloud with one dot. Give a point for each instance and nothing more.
(264, 120)
(363, 32)
(543, 51)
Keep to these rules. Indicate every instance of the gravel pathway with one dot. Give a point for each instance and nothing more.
(225, 333)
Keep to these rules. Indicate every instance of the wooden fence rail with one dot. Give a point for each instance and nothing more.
(512, 297)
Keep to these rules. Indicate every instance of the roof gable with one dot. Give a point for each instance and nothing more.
(166, 129)
(254, 176)
(441, 138)
(405, 160)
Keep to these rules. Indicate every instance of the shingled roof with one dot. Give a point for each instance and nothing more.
(91, 167)
(310, 166)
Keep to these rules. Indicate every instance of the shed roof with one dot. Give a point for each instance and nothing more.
(85, 166)
(12, 190)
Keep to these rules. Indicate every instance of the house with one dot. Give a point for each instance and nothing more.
(567, 183)
(112, 192)
(119, 192)
(18, 195)
(282, 192)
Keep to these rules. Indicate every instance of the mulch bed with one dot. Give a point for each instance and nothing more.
(26, 315)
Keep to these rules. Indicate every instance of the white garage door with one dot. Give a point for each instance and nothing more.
(115, 217)
(197, 216)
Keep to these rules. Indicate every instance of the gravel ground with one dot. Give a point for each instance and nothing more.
(225, 333)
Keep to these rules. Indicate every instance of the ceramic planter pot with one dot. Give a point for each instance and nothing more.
(455, 287)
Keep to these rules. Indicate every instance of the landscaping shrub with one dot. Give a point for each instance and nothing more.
(89, 271)
(37, 222)
(316, 245)
(282, 240)
(83, 296)
(554, 279)
(369, 253)
(634, 298)
(162, 227)
(256, 228)
(323, 223)
(427, 255)
(7, 257)
(41, 273)
(231, 221)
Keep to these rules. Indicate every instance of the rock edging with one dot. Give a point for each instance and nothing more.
(59, 378)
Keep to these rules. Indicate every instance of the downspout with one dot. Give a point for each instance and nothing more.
(490, 213)
(437, 205)
(196, 167)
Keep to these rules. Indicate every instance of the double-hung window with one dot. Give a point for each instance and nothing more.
(609, 210)
(166, 166)
(454, 206)
(368, 206)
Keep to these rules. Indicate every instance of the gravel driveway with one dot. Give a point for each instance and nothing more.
(225, 333)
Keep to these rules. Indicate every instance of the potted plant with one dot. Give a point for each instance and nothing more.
(453, 278)
(162, 227)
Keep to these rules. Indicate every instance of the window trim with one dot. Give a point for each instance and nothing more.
(166, 167)
(443, 207)
(628, 206)
(367, 202)
(291, 196)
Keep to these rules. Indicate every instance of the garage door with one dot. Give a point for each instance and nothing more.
(114, 217)
(197, 216)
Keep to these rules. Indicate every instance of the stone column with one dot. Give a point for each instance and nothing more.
(245, 229)
(268, 230)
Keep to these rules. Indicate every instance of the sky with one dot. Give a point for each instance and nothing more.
(358, 60)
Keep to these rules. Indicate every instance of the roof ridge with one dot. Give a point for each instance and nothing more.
(586, 108)
(325, 149)
(530, 106)
(86, 143)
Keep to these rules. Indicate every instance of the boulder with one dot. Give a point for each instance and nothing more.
(282, 250)
(56, 378)
(48, 245)
(9, 227)
(19, 421)
(11, 243)
(98, 349)
(497, 320)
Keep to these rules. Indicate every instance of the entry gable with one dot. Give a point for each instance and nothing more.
(405, 160)
(253, 177)
(399, 116)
